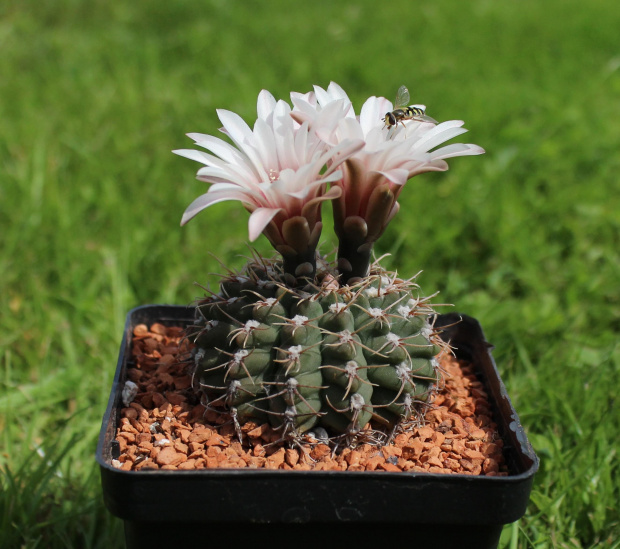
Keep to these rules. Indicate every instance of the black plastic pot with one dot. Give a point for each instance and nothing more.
(327, 508)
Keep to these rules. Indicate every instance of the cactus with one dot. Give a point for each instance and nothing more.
(324, 355)
(297, 342)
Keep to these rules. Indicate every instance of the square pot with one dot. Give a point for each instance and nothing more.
(329, 508)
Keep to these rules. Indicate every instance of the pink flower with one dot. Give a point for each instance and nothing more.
(374, 176)
(279, 170)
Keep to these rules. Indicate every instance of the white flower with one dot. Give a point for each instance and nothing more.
(374, 176)
(279, 170)
(390, 156)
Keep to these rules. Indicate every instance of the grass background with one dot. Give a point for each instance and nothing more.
(94, 95)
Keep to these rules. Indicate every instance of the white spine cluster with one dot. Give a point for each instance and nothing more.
(337, 307)
(299, 320)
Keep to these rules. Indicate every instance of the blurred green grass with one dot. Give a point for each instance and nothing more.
(94, 95)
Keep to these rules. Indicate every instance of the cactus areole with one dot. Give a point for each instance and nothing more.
(343, 351)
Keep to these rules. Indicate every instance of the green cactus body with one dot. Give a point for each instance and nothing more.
(330, 356)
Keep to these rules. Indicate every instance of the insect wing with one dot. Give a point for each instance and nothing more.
(420, 114)
(424, 118)
(402, 97)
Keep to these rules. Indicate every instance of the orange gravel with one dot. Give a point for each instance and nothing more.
(165, 427)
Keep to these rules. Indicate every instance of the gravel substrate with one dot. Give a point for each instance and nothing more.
(165, 427)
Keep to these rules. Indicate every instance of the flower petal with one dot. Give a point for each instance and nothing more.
(265, 144)
(243, 137)
(260, 218)
(456, 149)
(208, 199)
(338, 154)
(416, 168)
(265, 104)
(336, 91)
(398, 176)
(219, 147)
(312, 208)
(301, 146)
(440, 134)
(198, 156)
(235, 127)
(372, 113)
(334, 192)
(212, 174)
(284, 136)
(306, 190)
(304, 100)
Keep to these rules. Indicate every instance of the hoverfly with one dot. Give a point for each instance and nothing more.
(403, 112)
